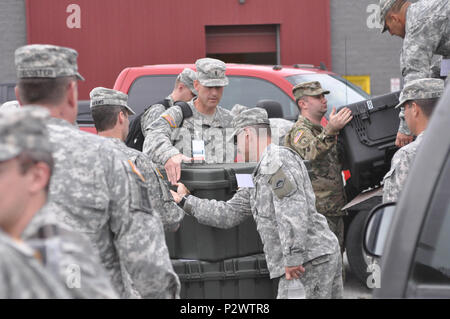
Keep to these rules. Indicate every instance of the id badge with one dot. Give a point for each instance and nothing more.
(245, 181)
(198, 150)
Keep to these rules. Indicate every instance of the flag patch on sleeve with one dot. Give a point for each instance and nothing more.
(170, 120)
(298, 136)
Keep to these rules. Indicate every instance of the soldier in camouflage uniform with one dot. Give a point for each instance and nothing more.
(25, 152)
(296, 238)
(418, 98)
(319, 145)
(9, 105)
(101, 192)
(110, 112)
(169, 139)
(22, 275)
(183, 91)
(425, 28)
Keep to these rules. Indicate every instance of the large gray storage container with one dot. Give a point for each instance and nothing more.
(239, 278)
(200, 242)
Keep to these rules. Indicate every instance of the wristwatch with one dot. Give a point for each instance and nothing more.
(182, 201)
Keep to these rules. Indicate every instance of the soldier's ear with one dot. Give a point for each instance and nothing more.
(196, 85)
(16, 91)
(415, 108)
(121, 117)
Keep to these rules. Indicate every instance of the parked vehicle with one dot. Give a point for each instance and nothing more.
(248, 84)
(412, 236)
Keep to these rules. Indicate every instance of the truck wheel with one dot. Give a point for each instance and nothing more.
(357, 258)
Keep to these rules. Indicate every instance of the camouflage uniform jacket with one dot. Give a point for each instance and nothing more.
(68, 255)
(283, 206)
(152, 114)
(427, 33)
(22, 276)
(160, 198)
(165, 138)
(313, 143)
(395, 179)
(103, 197)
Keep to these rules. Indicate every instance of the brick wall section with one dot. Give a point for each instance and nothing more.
(12, 35)
(368, 51)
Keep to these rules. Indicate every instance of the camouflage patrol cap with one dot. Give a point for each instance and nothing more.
(46, 61)
(385, 6)
(247, 117)
(211, 72)
(101, 96)
(23, 129)
(10, 105)
(187, 77)
(427, 88)
(308, 89)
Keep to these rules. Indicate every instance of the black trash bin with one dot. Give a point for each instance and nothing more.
(200, 242)
(369, 140)
(238, 278)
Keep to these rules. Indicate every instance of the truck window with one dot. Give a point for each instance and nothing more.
(249, 90)
(147, 90)
(342, 92)
(432, 258)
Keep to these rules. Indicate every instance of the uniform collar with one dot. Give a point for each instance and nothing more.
(268, 163)
(308, 123)
(62, 122)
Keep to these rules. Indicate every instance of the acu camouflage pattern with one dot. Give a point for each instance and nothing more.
(385, 6)
(101, 96)
(283, 206)
(102, 197)
(427, 33)
(152, 114)
(313, 143)
(159, 194)
(245, 117)
(23, 129)
(322, 278)
(165, 138)
(211, 72)
(62, 250)
(22, 276)
(395, 179)
(46, 61)
(187, 77)
(9, 105)
(427, 88)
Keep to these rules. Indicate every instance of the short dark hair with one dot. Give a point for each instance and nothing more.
(426, 105)
(105, 116)
(28, 158)
(43, 90)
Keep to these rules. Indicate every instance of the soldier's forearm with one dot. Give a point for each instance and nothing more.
(213, 213)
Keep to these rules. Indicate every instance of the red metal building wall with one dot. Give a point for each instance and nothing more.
(115, 34)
